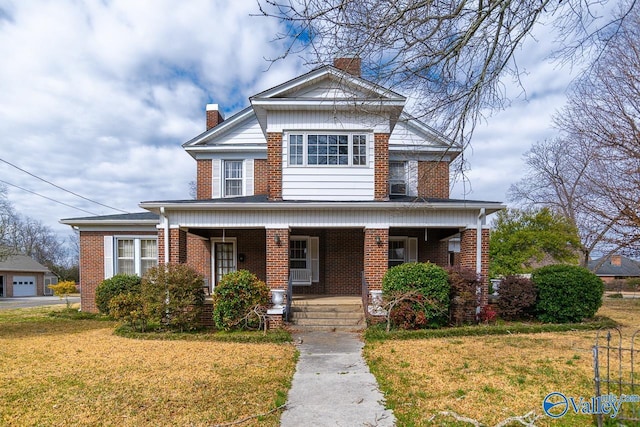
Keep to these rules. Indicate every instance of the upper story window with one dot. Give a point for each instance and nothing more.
(328, 149)
(398, 178)
(135, 255)
(232, 178)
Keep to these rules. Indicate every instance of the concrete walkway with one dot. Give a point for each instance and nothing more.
(332, 385)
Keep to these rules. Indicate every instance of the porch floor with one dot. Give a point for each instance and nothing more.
(326, 300)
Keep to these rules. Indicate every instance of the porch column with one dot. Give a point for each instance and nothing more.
(277, 258)
(177, 246)
(376, 256)
(471, 252)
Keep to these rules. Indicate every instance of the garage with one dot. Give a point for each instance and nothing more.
(24, 286)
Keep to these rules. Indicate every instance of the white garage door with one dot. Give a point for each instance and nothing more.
(24, 286)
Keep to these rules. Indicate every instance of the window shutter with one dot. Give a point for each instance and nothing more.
(248, 165)
(314, 243)
(412, 178)
(216, 174)
(412, 242)
(108, 257)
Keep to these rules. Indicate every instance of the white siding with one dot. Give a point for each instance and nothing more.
(248, 132)
(400, 217)
(326, 120)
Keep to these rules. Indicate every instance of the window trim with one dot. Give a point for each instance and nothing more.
(305, 148)
(137, 252)
(404, 181)
(410, 249)
(223, 177)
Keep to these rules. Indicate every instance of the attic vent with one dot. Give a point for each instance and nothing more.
(350, 65)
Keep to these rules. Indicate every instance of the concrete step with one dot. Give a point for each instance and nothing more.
(310, 315)
(317, 314)
(351, 308)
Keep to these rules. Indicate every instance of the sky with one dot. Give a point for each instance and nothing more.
(98, 96)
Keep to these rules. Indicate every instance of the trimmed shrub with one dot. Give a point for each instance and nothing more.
(516, 298)
(235, 298)
(114, 286)
(173, 294)
(464, 283)
(566, 293)
(423, 289)
(129, 308)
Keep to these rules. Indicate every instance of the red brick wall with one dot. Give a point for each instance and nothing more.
(381, 165)
(199, 255)
(433, 180)
(344, 261)
(274, 165)
(433, 249)
(92, 264)
(260, 177)
(277, 258)
(204, 179)
(376, 256)
(468, 257)
(350, 65)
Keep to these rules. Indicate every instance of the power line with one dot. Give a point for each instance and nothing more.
(57, 186)
(45, 197)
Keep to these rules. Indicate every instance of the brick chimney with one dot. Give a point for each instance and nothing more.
(214, 116)
(350, 65)
(616, 260)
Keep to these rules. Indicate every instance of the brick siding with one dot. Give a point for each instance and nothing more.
(433, 180)
(260, 177)
(277, 258)
(204, 179)
(214, 118)
(381, 165)
(92, 264)
(350, 65)
(274, 165)
(376, 256)
(468, 257)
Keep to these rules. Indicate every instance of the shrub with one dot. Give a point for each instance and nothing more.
(173, 294)
(234, 299)
(430, 286)
(566, 293)
(116, 285)
(130, 309)
(464, 284)
(63, 289)
(488, 314)
(516, 298)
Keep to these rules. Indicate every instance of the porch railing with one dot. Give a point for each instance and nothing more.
(365, 295)
(287, 307)
(300, 276)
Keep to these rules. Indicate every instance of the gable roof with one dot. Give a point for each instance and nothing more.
(627, 268)
(22, 263)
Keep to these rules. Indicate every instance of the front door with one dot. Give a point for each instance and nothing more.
(224, 258)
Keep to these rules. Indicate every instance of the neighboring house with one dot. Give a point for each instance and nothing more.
(322, 180)
(22, 276)
(615, 267)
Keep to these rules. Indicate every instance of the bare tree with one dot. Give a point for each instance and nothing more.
(592, 174)
(450, 56)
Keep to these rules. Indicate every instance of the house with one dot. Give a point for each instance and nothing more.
(22, 276)
(323, 181)
(615, 267)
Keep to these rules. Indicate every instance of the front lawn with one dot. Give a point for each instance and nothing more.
(490, 378)
(57, 371)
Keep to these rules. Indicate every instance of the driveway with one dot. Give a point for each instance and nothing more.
(24, 302)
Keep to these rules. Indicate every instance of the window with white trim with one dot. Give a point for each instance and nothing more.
(397, 178)
(402, 249)
(304, 260)
(233, 178)
(135, 255)
(327, 149)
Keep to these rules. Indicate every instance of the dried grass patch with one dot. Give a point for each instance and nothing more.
(489, 378)
(60, 372)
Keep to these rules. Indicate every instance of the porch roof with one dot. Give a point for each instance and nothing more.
(261, 202)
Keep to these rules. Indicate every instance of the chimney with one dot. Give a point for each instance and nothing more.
(214, 116)
(350, 65)
(616, 260)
